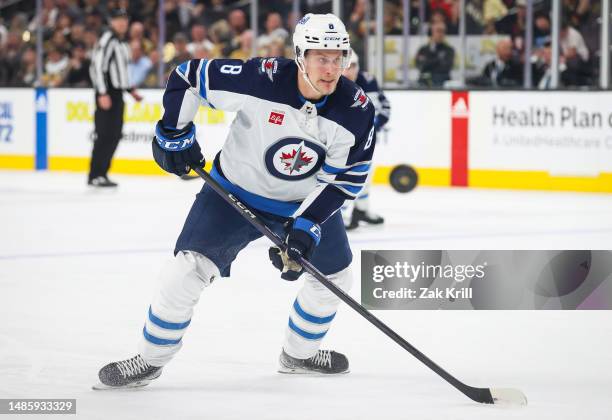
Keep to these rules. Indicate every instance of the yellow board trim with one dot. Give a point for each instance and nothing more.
(17, 162)
(430, 177)
(538, 180)
(118, 166)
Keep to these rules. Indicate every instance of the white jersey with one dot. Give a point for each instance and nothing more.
(283, 154)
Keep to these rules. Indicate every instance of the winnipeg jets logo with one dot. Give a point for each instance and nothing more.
(269, 66)
(361, 99)
(295, 160)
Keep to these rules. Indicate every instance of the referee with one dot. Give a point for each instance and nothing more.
(109, 75)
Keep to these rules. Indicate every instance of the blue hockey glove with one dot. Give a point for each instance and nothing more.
(379, 122)
(176, 151)
(302, 239)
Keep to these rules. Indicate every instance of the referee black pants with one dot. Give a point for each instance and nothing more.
(108, 126)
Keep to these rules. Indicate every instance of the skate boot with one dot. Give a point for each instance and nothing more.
(324, 362)
(353, 224)
(367, 217)
(130, 373)
(101, 182)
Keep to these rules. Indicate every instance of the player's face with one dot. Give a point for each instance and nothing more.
(324, 68)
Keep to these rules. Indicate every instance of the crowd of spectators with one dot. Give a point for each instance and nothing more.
(221, 28)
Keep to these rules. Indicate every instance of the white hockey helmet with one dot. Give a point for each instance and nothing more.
(321, 32)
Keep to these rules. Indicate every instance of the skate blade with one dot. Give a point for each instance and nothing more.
(300, 371)
(101, 387)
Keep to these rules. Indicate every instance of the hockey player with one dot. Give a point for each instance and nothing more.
(300, 145)
(359, 210)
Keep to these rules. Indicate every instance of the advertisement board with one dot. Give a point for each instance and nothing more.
(17, 128)
(71, 127)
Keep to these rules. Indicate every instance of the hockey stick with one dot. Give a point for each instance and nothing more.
(481, 395)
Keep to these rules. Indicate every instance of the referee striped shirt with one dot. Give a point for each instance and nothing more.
(109, 64)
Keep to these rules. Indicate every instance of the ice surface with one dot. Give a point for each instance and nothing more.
(78, 268)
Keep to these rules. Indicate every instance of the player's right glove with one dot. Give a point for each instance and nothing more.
(302, 239)
(176, 151)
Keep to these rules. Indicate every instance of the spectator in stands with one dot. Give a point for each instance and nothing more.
(89, 39)
(246, 46)
(513, 24)
(274, 30)
(572, 44)
(94, 21)
(444, 6)
(474, 17)
(151, 80)
(276, 48)
(216, 11)
(56, 67)
(438, 16)
(78, 67)
(578, 11)
(575, 55)
(49, 15)
(64, 24)
(199, 40)
(139, 65)
(58, 40)
(505, 71)
(25, 73)
(13, 48)
(76, 34)
(357, 28)
(435, 59)
(493, 10)
(541, 30)
(238, 24)
(180, 53)
(391, 20)
(68, 8)
(221, 36)
(201, 52)
(3, 33)
(542, 74)
(137, 33)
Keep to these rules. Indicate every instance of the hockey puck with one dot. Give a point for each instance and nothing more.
(403, 178)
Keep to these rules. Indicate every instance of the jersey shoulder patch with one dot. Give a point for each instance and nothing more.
(351, 109)
(271, 67)
(352, 95)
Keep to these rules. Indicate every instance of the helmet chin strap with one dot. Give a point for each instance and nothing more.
(302, 68)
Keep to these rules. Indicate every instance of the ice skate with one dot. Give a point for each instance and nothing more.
(325, 362)
(130, 373)
(367, 217)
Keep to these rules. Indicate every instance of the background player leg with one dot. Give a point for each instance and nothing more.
(361, 212)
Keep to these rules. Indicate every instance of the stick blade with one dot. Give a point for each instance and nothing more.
(508, 396)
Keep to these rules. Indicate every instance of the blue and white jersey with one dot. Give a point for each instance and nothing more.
(381, 104)
(283, 154)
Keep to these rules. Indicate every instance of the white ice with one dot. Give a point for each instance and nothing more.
(78, 268)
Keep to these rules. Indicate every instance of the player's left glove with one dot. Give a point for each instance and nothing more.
(379, 122)
(302, 239)
(176, 151)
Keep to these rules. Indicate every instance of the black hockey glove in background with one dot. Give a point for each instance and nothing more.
(302, 239)
(176, 151)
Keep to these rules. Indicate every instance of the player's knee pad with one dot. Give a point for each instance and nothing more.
(342, 279)
(183, 279)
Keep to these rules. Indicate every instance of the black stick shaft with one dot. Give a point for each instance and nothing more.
(482, 395)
